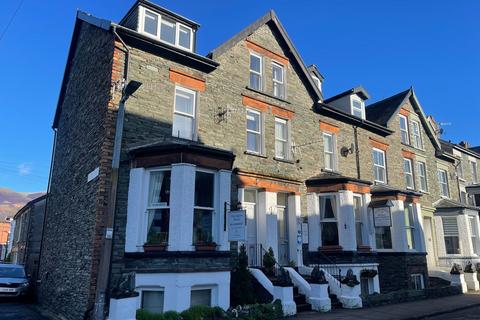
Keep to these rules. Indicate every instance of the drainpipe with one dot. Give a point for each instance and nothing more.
(357, 151)
(47, 198)
(101, 296)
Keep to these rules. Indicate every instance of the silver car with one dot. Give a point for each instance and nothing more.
(13, 281)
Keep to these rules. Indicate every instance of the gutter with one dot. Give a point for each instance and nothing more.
(103, 278)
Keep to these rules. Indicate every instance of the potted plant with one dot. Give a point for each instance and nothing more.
(205, 242)
(156, 241)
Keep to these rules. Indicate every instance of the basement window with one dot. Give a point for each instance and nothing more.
(153, 300)
(201, 297)
(417, 281)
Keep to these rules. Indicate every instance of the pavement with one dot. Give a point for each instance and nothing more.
(19, 311)
(466, 306)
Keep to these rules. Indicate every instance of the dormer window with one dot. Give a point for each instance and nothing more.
(317, 82)
(357, 108)
(166, 29)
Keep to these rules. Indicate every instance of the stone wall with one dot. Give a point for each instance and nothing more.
(73, 233)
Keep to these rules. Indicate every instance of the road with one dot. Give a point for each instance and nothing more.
(472, 313)
(19, 311)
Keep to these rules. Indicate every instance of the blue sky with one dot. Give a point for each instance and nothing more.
(386, 46)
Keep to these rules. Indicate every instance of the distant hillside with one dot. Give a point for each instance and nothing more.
(11, 201)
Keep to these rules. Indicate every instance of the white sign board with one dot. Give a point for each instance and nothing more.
(236, 225)
(382, 217)
(305, 233)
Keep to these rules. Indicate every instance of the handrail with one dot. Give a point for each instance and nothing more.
(277, 266)
(331, 267)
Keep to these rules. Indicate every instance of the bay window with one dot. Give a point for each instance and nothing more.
(473, 166)
(281, 139)
(383, 238)
(474, 232)
(405, 136)
(203, 207)
(410, 225)
(408, 172)
(328, 222)
(358, 208)
(256, 72)
(417, 136)
(443, 181)
(278, 80)
(158, 207)
(329, 151)
(379, 166)
(184, 114)
(450, 233)
(254, 131)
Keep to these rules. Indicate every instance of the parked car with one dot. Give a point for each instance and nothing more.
(13, 281)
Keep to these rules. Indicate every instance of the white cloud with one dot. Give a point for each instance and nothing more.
(24, 169)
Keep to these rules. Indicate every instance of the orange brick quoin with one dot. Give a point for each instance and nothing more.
(265, 52)
(187, 80)
(330, 128)
(266, 184)
(408, 154)
(378, 144)
(404, 112)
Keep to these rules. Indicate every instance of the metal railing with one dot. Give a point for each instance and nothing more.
(255, 256)
(330, 267)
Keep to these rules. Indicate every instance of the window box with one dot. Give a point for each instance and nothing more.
(364, 248)
(212, 246)
(154, 247)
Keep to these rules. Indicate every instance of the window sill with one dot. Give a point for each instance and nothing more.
(284, 160)
(267, 95)
(424, 192)
(255, 154)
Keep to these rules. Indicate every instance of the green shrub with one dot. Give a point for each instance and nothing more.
(268, 311)
(241, 286)
(269, 262)
(147, 315)
(203, 313)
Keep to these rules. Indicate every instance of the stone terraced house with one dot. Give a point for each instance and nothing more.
(156, 144)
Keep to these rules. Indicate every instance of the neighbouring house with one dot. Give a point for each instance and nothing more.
(4, 236)
(155, 144)
(27, 228)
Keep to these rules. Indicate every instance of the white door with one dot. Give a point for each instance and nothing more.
(427, 225)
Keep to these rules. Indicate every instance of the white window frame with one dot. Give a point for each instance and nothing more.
(335, 207)
(193, 116)
(422, 283)
(280, 83)
(377, 165)
(417, 136)
(359, 220)
(405, 130)
(215, 196)
(260, 74)
(213, 292)
(153, 288)
(259, 133)
(457, 235)
(332, 153)
(409, 174)
(474, 169)
(362, 107)
(422, 176)
(159, 26)
(472, 220)
(441, 183)
(144, 235)
(412, 224)
(286, 142)
(317, 82)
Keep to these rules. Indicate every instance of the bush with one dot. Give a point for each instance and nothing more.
(147, 315)
(269, 311)
(269, 262)
(241, 286)
(203, 313)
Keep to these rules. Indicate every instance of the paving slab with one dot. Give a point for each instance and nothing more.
(401, 311)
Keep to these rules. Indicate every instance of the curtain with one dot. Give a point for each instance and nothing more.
(156, 179)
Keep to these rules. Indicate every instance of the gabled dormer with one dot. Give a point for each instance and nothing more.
(162, 25)
(351, 101)
(317, 77)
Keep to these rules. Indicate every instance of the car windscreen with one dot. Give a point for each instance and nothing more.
(11, 272)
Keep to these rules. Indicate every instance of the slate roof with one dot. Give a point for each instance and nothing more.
(451, 204)
(357, 90)
(333, 177)
(447, 146)
(476, 149)
(383, 189)
(382, 111)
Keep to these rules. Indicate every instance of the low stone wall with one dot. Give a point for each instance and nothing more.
(409, 295)
(395, 270)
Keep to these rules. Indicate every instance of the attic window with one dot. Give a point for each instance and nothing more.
(317, 82)
(357, 108)
(165, 29)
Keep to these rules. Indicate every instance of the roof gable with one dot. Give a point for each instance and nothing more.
(271, 19)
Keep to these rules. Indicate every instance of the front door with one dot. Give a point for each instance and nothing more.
(427, 225)
(251, 245)
(282, 218)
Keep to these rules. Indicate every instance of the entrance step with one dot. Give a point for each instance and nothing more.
(301, 301)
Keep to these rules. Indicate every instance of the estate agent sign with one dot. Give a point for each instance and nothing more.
(236, 225)
(382, 217)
